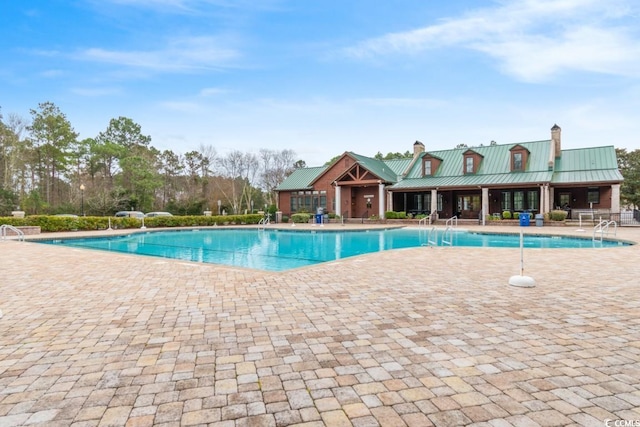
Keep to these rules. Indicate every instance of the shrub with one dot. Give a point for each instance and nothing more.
(516, 215)
(300, 218)
(558, 215)
(390, 215)
(506, 215)
(401, 215)
(285, 218)
(49, 223)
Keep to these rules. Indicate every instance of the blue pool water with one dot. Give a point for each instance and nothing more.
(279, 250)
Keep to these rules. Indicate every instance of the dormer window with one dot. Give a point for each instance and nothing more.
(519, 157)
(430, 165)
(517, 162)
(468, 164)
(472, 160)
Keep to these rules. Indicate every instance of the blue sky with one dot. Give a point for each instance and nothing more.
(324, 77)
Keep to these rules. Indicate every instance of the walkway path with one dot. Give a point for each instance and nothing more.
(417, 337)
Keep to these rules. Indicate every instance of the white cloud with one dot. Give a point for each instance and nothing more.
(179, 55)
(211, 91)
(532, 40)
(182, 106)
(96, 91)
(193, 6)
(52, 73)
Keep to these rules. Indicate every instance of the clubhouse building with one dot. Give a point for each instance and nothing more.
(469, 182)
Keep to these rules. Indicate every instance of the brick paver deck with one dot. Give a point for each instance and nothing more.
(416, 337)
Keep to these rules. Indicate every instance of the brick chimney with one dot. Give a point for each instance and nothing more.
(418, 148)
(556, 140)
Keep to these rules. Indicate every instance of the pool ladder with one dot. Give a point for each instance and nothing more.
(6, 227)
(603, 228)
(432, 237)
(264, 221)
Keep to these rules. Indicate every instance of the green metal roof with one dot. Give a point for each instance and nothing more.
(301, 179)
(377, 167)
(594, 176)
(585, 165)
(597, 164)
(474, 180)
(495, 167)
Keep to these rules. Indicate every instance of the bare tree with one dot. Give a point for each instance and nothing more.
(236, 166)
(275, 167)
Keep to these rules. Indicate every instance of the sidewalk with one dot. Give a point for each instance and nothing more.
(413, 337)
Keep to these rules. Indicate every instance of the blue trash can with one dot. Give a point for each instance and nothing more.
(524, 219)
(318, 218)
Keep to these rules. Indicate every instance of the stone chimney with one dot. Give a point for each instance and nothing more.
(418, 147)
(556, 140)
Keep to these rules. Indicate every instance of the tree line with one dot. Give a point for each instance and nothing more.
(46, 169)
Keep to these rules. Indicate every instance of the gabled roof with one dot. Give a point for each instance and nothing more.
(380, 168)
(585, 165)
(301, 179)
(494, 169)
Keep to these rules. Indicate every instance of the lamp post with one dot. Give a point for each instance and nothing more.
(82, 199)
(219, 205)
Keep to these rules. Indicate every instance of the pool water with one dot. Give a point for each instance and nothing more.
(279, 250)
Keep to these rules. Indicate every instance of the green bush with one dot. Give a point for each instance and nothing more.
(516, 215)
(54, 223)
(300, 218)
(401, 215)
(558, 215)
(390, 215)
(285, 218)
(506, 215)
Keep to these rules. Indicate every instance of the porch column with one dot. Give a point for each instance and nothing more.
(434, 201)
(381, 199)
(338, 201)
(615, 198)
(485, 204)
(552, 198)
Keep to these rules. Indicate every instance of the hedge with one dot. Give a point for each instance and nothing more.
(56, 223)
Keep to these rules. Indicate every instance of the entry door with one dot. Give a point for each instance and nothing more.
(469, 206)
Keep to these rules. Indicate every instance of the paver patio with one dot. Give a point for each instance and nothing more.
(414, 337)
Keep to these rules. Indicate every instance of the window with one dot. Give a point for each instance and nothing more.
(533, 200)
(417, 201)
(506, 201)
(517, 162)
(468, 164)
(440, 202)
(518, 200)
(593, 195)
(427, 168)
(308, 201)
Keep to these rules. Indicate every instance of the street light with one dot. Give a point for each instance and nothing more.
(82, 198)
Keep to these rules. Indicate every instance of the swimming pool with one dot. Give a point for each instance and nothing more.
(279, 250)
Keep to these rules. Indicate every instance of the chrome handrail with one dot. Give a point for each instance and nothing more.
(17, 231)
